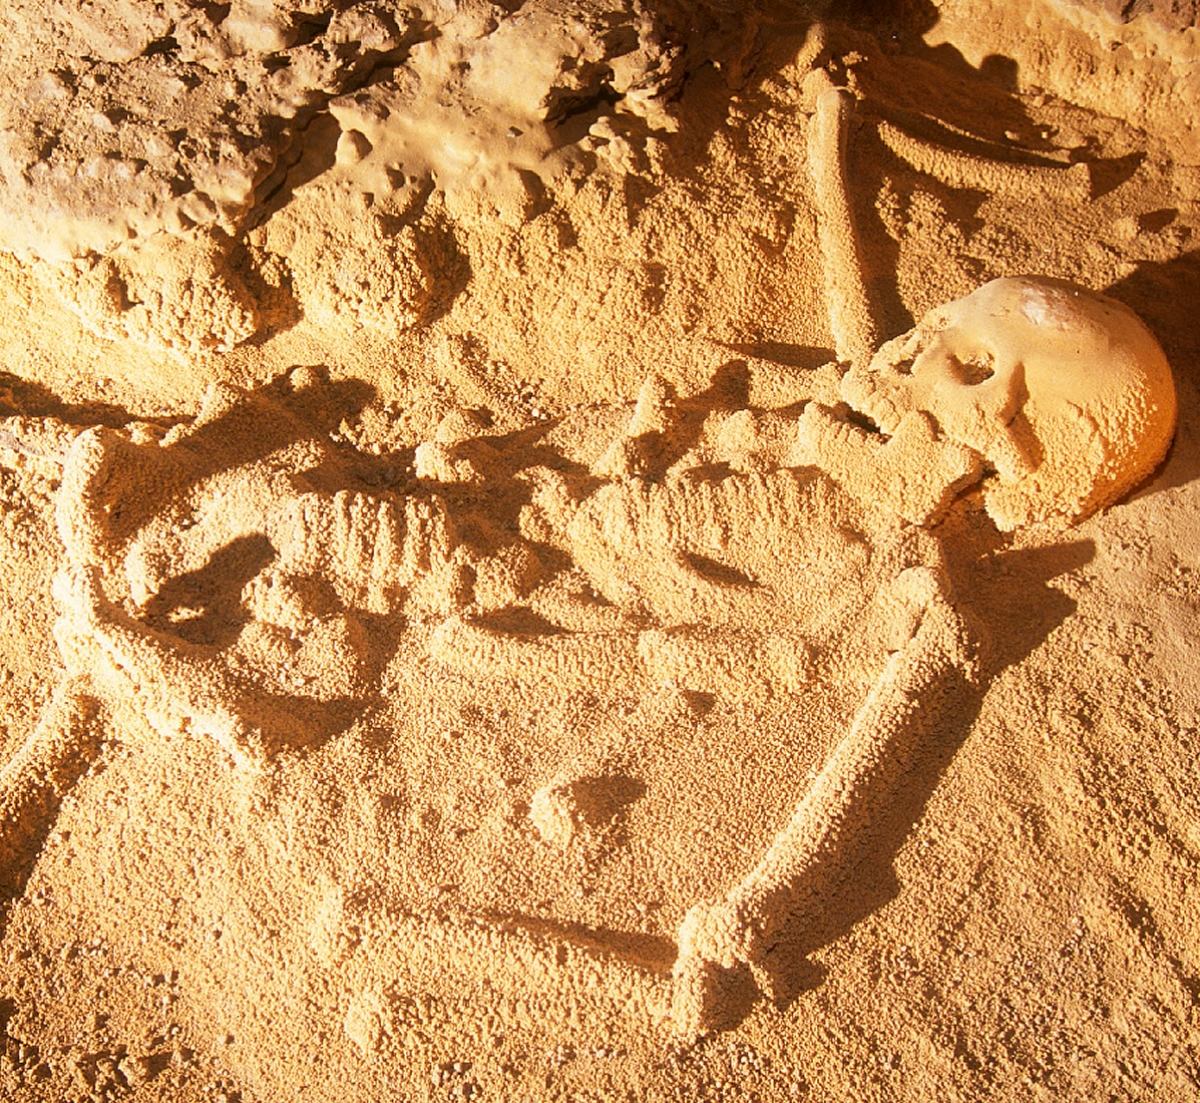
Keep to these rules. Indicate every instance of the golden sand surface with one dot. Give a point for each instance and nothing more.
(599, 551)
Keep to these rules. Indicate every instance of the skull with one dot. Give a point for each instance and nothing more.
(1064, 393)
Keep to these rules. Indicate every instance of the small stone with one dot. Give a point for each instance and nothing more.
(135, 1070)
(352, 147)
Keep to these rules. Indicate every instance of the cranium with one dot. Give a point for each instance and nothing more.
(1064, 393)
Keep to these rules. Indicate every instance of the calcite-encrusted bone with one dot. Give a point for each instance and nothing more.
(221, 583)
(913, 473)
(367, 552)
(1064, 392)
(741, 928)
(850, 317)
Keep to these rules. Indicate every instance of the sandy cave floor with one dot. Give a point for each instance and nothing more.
(500, 768)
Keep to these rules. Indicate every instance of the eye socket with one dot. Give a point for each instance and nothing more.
(905, 366)
(980, 368)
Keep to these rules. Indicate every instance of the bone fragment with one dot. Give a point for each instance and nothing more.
(175, 693)
(742, 928)
(572, 659)
(38, 444)
(79, 512)
(913, 473)
(850, 318)
(633, 452)
(35, 779)
(1066, 183)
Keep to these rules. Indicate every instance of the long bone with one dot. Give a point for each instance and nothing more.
(865, 465)
(46, 765)
(1065, 183)
(741, 928)
(850, 316)
(784, 886)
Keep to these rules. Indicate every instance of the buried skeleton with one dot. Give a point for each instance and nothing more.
(275, 606)
(253, 602)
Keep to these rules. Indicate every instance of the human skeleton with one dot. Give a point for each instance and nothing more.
(963, 394)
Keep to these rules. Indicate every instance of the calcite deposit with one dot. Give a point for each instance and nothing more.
(608, 550)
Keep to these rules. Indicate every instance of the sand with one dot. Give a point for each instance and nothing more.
(464, 637)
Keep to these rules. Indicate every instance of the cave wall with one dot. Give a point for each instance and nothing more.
(1137, 60)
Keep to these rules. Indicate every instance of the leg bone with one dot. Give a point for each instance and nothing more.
(742, 928)
(850, 317)
(36, 778)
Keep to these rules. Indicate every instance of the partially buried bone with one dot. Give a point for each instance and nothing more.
(1069, 183)
(850, 317)
(175, 692)
(741, 928)
(659, 545)
(917, 473)
(309, 564)
(373, 548)
(46, 765)
(698, 579)
(718, 581)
